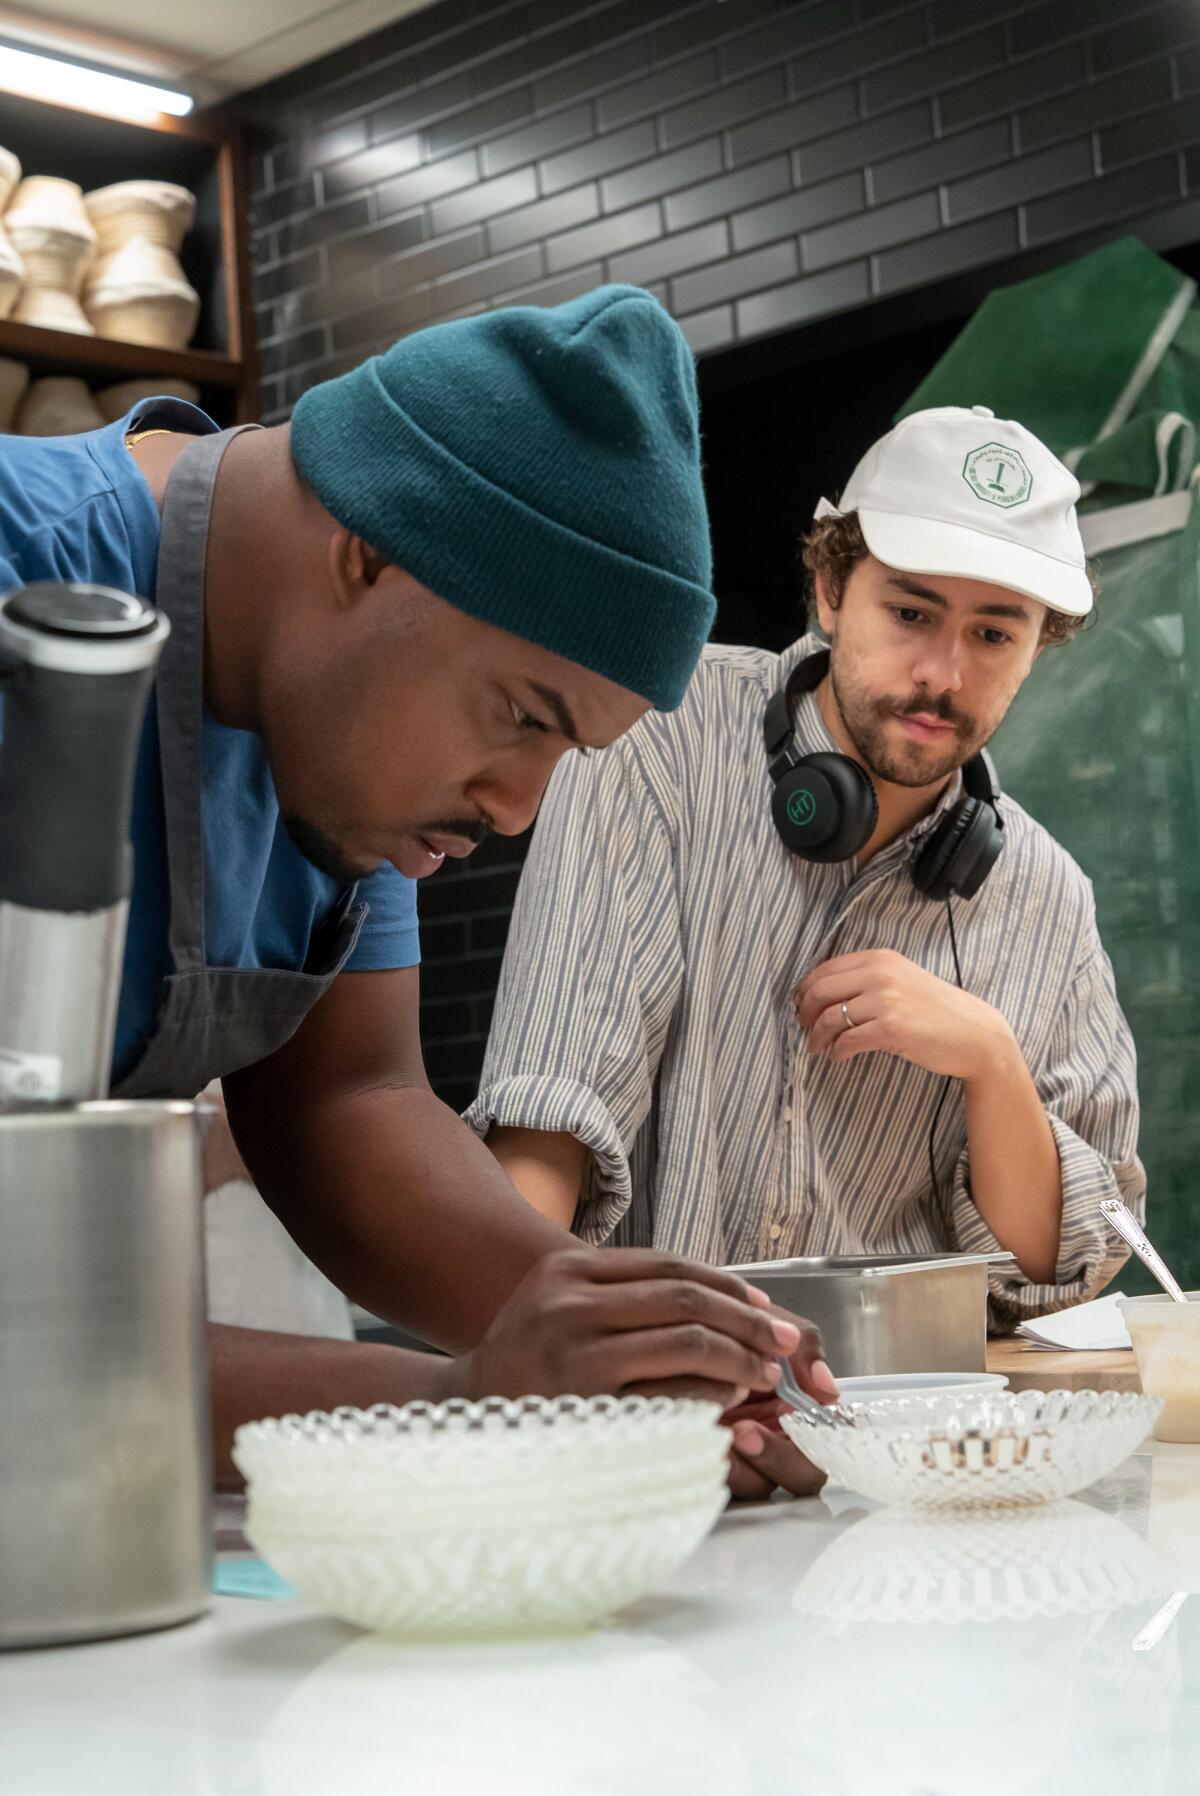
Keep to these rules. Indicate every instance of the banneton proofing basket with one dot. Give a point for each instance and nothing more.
(10, 175)
(136, 290)
(12, 273)
(158, 211)
(12, 269)
(50, 231)
(132, 297)
(14, 378)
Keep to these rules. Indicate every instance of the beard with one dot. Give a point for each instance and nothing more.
(325, 854)
(910, 764)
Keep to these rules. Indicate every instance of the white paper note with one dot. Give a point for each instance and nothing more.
(1095, 1326)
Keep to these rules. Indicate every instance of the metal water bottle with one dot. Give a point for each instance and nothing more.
(76, 667)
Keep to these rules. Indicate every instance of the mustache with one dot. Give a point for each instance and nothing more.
(473, 829)
(942, 707)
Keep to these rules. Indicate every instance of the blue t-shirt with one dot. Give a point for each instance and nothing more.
(78, 508)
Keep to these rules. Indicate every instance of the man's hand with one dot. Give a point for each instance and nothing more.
(630, 1320)
(762, 1458)
(898, 1008)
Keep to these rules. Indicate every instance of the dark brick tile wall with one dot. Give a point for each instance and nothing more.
(962, 152)
(1066, 165)
(758, 164)
(800, 211)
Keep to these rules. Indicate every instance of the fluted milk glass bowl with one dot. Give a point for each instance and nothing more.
(483, 1518)
(996, 1449)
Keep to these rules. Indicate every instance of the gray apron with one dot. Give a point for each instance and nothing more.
(212, 1020)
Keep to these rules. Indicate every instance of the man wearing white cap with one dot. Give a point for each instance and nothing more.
(787, 974)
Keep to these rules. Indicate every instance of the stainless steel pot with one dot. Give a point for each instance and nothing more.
(104, 1425)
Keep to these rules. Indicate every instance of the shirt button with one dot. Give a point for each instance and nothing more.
(774, 1232)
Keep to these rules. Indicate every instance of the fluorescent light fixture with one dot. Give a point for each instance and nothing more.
(71, 84)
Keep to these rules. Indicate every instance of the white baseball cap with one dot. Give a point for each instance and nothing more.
(956, 490)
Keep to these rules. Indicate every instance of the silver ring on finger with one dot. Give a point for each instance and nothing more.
(846, 1017)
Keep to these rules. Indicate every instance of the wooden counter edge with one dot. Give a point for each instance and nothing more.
(1043, 1369)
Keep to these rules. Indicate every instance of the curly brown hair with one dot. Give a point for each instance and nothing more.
(835, 546)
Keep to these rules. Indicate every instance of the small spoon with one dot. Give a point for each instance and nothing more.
(829, 1415)
(1158, 1624)
(1127, 1225)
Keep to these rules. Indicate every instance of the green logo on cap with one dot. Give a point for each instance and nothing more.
(998, 474)
(802, 806)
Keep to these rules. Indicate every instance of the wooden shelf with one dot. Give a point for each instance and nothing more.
(205, 155)
(69, 352)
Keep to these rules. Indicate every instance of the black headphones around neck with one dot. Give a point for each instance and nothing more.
(824, 805)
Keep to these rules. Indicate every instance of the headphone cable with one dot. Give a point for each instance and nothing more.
(950, 1077)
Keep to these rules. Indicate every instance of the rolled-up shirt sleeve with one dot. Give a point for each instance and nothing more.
(1088, 1085)
(592, 973)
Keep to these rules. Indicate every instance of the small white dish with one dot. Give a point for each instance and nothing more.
(871, 1387)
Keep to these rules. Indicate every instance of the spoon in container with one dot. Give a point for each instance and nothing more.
(1127, 1225)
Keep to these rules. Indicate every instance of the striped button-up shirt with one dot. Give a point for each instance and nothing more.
(646, 1007)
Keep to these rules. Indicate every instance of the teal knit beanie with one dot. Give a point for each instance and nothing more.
(538, 467)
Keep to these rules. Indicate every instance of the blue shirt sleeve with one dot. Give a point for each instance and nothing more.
(389, 937)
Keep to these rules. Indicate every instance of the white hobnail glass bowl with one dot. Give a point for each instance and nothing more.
(495, 1517)
(999, 1449)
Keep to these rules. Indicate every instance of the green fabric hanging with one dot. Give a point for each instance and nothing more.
(1102, 360)
(1071, 353)
(1102, 747)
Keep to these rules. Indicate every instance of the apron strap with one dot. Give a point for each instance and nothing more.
(179, 687)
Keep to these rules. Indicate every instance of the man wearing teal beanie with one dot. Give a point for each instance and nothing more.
(539, 469)
(390, 619)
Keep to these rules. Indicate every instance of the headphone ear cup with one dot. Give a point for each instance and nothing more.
(960, 853)
(824, 808)
(979, 852)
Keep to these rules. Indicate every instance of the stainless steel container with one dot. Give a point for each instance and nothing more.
(888, 1313)
(104, 1423)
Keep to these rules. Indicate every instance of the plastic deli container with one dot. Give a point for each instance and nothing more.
(1166, 1340)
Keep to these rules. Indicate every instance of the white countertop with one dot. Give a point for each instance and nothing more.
(820, 1648)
